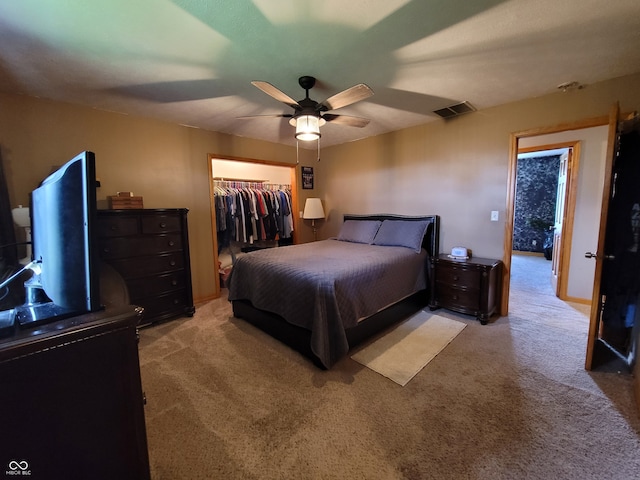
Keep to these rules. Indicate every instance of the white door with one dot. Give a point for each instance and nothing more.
(561, 202)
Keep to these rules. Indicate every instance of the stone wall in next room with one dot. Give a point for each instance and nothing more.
(536, 185)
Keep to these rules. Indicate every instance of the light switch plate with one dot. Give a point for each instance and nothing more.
(494, 215)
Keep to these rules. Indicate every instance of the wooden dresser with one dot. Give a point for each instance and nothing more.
(149, 248)
(72, 399)
(469, 286)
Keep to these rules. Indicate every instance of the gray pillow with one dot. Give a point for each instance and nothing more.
(402, 233)
(359, 231)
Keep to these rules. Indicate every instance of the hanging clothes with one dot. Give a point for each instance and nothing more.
(249, 212)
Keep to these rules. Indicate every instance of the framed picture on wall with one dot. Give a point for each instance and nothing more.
(307, 178)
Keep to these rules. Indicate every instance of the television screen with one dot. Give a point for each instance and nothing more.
(63, 214)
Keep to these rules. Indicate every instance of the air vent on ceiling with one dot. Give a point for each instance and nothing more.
(455, 110)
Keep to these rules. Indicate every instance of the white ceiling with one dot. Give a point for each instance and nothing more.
(191, 61)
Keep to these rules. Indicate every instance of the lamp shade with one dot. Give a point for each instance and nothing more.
(307, 127)
(313, 209)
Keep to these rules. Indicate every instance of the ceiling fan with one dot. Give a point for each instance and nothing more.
(310, 115)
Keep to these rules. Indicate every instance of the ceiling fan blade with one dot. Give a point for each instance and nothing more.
(276, 93)
(282, 115)
(348, 96)
(346, 120)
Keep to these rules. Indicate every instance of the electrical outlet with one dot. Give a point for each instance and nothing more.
(534, 242)
(494, 215)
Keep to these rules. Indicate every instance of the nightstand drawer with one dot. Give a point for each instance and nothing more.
(458, 275)
(457, 298)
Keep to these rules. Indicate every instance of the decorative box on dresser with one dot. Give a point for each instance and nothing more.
(149, 248)
(469, 286)
(72, 399)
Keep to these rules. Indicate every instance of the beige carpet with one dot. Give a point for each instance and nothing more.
(401, 353)
(503, 401)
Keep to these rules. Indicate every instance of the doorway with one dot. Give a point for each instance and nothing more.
(590, 137)
(276, 182)
(544, 209)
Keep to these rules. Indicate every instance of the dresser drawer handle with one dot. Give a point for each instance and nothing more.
(163, 225)
(114, 228)
(176, 301)
(455, 277)
(105, 250)
(174, 282)
(172, 263)
(455, 297)
(171, 243)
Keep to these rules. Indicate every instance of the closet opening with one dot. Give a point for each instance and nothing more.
(252, 206)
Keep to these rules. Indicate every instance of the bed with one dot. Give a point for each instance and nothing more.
(325, 297)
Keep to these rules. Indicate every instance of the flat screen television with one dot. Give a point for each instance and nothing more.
(66, 280)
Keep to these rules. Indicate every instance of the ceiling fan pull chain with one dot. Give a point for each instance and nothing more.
(297, 153)
(318, 148)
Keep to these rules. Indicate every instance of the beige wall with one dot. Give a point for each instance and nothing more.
(166, 164)
(231, 169)
(457, 169)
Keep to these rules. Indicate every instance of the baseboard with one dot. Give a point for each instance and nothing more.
(582, 301)
(202, 300)
(531, 254)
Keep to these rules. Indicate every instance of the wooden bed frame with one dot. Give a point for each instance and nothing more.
(299, 338)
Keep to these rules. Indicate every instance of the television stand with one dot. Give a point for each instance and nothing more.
(35, 314)
(72, 398)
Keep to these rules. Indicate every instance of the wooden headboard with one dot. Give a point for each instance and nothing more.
(431, 240)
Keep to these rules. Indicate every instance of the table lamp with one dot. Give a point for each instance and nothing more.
(312, 211)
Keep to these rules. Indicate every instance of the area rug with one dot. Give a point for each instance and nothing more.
(403, 352)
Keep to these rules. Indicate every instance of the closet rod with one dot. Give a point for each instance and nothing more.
(227, 179)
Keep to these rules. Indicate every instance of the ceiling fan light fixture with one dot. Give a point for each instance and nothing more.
(308, 127)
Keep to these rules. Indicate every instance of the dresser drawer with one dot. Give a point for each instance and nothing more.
(163, 304)
(117, 226)
(144, 266)
(459, 275)
(160, 224)
(122, 247)
(156, 284)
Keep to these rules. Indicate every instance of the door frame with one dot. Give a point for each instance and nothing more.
(511, 191)
(569, 203)
(212, 206)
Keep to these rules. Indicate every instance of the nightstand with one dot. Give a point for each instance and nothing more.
(468, 286)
